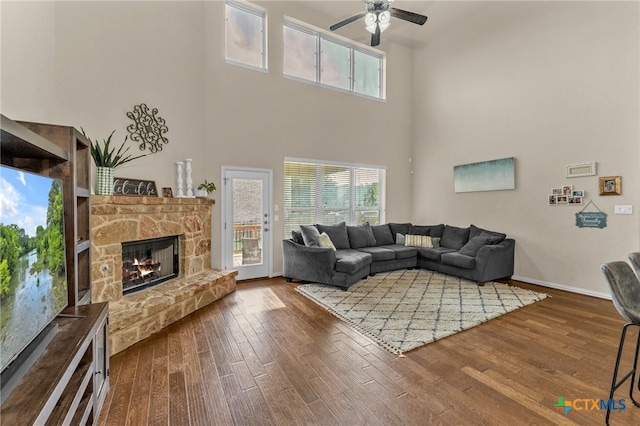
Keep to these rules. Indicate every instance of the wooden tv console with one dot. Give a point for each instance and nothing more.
(67, 385)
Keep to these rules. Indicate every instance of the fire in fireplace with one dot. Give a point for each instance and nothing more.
(149, 262)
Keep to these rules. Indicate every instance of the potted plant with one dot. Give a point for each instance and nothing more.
(106, 159)
(205, 188)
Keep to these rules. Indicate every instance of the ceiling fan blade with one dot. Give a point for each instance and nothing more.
(347, 21)
(408, 16)
(375, 38)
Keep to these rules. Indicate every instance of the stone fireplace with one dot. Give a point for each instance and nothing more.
(119, 223)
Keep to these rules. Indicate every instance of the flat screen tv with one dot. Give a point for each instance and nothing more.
(33, 279)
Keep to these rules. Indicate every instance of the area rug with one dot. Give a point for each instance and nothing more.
(402, 310)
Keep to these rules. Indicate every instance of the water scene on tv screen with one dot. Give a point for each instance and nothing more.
(33, 285)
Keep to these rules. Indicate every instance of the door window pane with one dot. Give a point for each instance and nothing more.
(247, 221)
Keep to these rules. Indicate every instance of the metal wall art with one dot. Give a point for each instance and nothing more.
(148, 128)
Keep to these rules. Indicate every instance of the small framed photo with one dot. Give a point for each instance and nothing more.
(610, 185)
(556, 191)
(581, 169)
(567, 190)
(167, 193)
(562, 199)
(552, 200)
(575, 200)
(577, 193)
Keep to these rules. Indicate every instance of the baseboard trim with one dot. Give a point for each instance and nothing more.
(564, 287)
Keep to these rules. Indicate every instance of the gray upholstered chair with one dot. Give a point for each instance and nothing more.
(625, 292)
(634, 258)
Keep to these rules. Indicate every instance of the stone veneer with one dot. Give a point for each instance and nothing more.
(118, 219)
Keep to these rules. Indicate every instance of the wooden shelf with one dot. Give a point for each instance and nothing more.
(61, 386)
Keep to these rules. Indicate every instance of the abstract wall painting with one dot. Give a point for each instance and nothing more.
(494, 175)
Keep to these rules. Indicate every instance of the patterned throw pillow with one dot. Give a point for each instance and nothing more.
(325, 241)
(418, 241)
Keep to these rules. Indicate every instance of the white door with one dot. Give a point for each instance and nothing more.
(246, 222)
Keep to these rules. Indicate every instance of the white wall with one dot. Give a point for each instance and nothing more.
(551, 84)
(110, 56)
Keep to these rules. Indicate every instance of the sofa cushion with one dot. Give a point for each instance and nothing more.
(297, 237)
(434, 253)
(337, 233)
(430, 230)
(403, 252)
(401, 239)
(310, 235)
(399, 228)
(361, 236)
(350, 261)
(417, 240)
(474, 244)
(474, 231)
(459, 260)
(382, 234)
(325, 241)
(454, 237)
(379, 253)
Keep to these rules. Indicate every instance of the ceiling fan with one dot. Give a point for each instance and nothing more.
(378, 17)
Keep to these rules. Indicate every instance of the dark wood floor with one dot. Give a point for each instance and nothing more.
(266, 355)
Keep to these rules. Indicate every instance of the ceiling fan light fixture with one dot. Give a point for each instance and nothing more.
(370, 19)
(384, 17)
(383, 26)
(372, 28)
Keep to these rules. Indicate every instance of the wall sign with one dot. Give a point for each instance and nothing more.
(134, 187)
(591, 219)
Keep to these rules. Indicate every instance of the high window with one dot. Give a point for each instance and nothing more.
(246, 42)
(313, 55)
(330, 193)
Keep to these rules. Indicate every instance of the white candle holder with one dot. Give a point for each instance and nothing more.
(190, 194)
(179, 194)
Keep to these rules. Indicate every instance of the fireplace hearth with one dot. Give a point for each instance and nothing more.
(146, 263)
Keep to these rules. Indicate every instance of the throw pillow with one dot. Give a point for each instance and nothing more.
(310, 235)
(475, 244)
(399, 228)
(297, 237)
(474, 231)
(454, 237)
(325, 241)
(435, 241)
(382, 234)
(418, 241)
(361, 236)
(431, 230)
(400, 239)
(337, 233)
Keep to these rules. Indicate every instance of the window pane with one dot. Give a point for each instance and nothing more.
(333, 217)
(299, 54)
(299, 185)
(336, 68)
(366, 72)
(245, 36)
(371, 216)
(293, 220)
(367, 188)
(336, 186)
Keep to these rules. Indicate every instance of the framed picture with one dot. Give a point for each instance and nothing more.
(556, 191)
(167, 193)
(575, 200)
(562, 199)
(577, 193)
(581, 169)
(610, 185)
(552, 200)
(567, 190)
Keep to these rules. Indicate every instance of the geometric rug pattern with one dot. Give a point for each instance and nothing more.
(404, 309)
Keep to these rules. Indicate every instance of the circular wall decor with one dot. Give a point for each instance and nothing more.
(147, 128)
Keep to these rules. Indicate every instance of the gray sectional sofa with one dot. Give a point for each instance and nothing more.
(341, 255)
